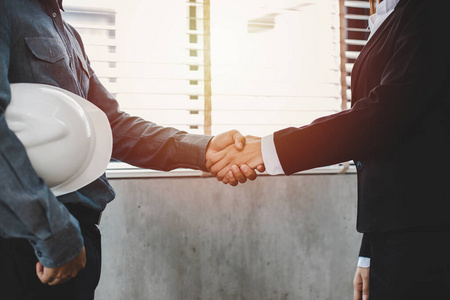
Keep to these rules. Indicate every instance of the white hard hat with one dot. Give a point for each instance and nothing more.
(67, 138)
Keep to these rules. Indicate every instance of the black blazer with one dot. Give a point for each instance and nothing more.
(398, 128)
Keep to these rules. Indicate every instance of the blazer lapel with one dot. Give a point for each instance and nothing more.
(370, 44)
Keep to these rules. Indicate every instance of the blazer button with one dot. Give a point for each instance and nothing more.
(359, 165)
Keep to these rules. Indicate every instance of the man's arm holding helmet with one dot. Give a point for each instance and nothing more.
(28, 209)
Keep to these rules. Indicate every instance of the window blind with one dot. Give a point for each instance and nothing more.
(255, 66)
(97, 26)
(274, 63)
(356, 35)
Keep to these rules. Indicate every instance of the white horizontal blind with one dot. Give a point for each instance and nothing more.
(274, 63)
(97, 26)
(162, 71)
(357, 32)
(150, 63)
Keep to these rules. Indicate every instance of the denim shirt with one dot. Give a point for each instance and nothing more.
(37, 46)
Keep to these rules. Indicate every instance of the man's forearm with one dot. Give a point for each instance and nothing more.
(29, 208)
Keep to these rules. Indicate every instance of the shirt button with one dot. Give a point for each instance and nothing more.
(359, 165)
(32, 242)
(39, 253)
(54, 15)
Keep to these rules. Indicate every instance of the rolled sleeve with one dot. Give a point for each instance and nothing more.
(145, 144)
(60, 247)
(28, 209)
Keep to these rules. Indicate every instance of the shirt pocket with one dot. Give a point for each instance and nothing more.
(46, 48)
(84, 72)
(48, 61)
(84, 64)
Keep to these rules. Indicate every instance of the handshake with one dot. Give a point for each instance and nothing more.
(233, 158)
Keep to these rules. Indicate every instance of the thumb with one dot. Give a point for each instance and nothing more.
(239, 139)
(44, 274)
(39, 270)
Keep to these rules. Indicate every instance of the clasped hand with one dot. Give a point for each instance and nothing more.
(233, 158)
(61, 274)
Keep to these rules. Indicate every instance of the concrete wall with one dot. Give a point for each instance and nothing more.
(194, 238)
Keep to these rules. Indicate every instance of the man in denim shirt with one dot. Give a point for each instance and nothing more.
(45, 241)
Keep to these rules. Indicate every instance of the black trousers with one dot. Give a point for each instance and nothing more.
(18, 279)
(410, 265)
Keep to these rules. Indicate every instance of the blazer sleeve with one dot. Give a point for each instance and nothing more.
(413, 81)
(364, 251)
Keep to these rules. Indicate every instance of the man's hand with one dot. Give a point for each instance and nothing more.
(235, 139)
(228, 159)
(241, 174)
(64, 273)
(223, 140)
(361, 284)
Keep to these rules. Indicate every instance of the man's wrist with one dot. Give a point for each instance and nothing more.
(61, 247)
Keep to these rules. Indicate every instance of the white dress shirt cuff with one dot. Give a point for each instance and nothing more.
(364, 262)
(270, 157)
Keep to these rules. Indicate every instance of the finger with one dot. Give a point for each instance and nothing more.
(214, 160)
(39, 271)
(220, 175)
(248, 172)
(237, 173)
(55, 281)
(45, 276)
(226, 180)
(357, 286)
(61, 280)
(239, 139)
(361, 284)
(261, 168)
(220, 169)
(365, 287)
(356, 295)
(230, 179)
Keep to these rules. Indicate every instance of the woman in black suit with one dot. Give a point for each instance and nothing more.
(398, 133)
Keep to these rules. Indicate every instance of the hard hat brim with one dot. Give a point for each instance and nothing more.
(102, 149)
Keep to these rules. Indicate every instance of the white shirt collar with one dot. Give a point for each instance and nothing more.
(386, 6)
(384, 9)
